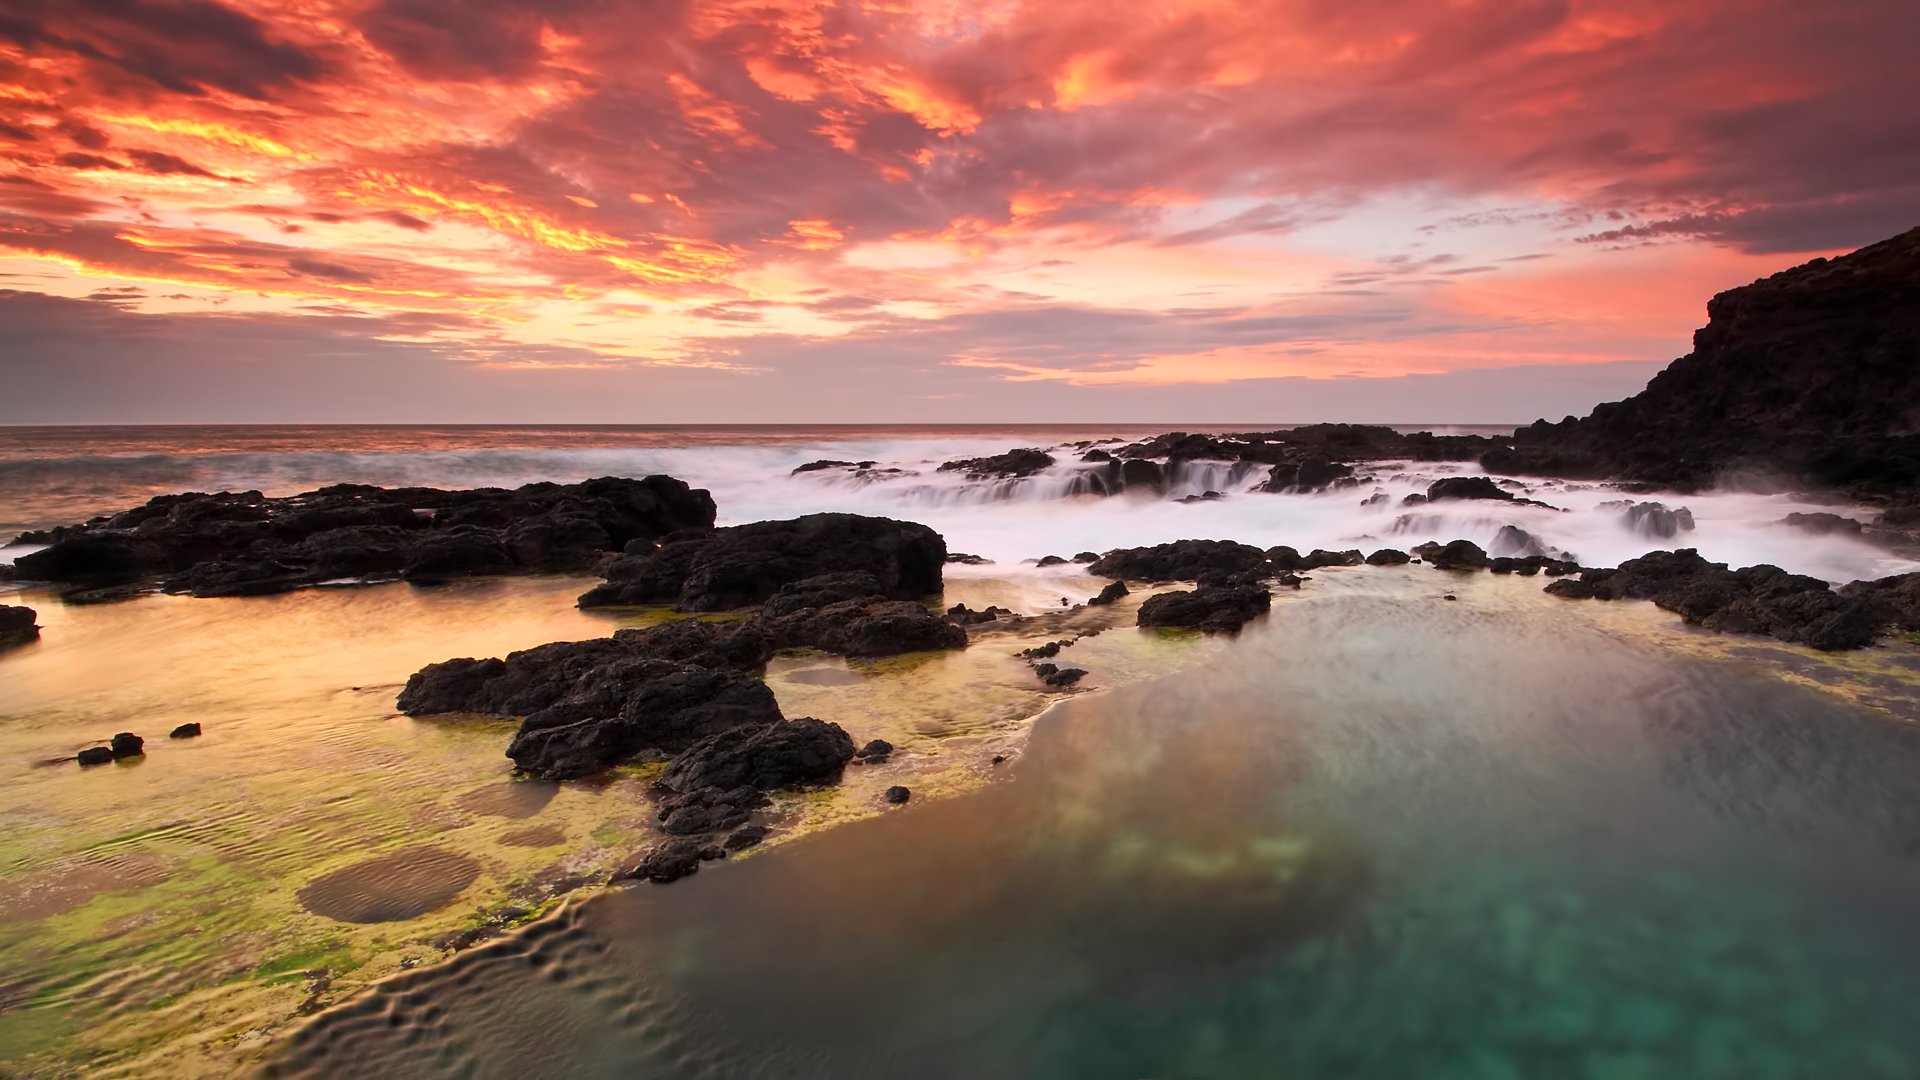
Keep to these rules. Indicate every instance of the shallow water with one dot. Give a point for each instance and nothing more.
(1381, 834)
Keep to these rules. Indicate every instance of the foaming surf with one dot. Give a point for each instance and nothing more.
(751, 471)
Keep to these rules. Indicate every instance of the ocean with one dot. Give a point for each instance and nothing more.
(1408, 823)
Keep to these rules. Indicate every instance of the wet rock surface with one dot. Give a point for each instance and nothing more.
(1013, 463)
(1210, 607)
(1756, 599)
(745, 565)
(1181, 560)
(243, 544)
(17, 625)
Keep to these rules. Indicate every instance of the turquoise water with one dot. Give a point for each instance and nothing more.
(1385, 835)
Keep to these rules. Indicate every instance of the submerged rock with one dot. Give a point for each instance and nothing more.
(94, 755)
(127, 744)
(897, 795)
(185, 731)
(1467, 487)
(1656, 520)
(747, 564)
(1211, 608)
(1113, 591)
(238, 544)
(1824, 524)
(667, 862)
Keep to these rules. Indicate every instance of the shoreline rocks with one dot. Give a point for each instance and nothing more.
(245, 544)
(18, 625)
(1214, 608)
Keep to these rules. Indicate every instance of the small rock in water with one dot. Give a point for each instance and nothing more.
(1114, 591)
(745, 836)
(94, 755)
(875, 752)
(897, 794)
(127, 744)
(998, 758)
(670, 861)
(184, 731)
(1449, 596)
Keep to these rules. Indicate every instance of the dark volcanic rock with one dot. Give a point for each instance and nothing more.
(1181, 560)
(1753, 600)
(624, 708)
(872, 627)
(94, 755)
(1467, 487)
(1319, 557)
(746, 564)
(1138, 474)
(962, 615)
(670, 861)
(1457, 555)
(1656, 520)
(1513, 541)
(1114, 591)
(1389, 557)
(237, 544)
(127, 744)
(185, 731)
(1823, 524)
(764, 756)
(1311, 473)
(1811, 372)
(1024, 462)
(965, 559)
(1224, 608)
(898, 795)
(820, 591)
(17, 625)
(745, 836)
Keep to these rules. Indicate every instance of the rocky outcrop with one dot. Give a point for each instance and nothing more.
(1013, 463)
(235, 544)
(1389, 557)
(17, 625)
(1210, 607)
(630, 706)
(1821, 524)
(1756, 599)
(1181, 560)
(762, 756)
(1813, 372)
(1656, 520)
(1112, 593)
(747, 564)
(874, 626)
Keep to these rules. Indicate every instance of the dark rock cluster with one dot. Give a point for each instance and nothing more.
(1756, 599)
(1209, 607)
(743, 565)
(1013, 463)
(242, 544)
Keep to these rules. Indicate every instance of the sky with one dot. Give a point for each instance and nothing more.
(651, 211)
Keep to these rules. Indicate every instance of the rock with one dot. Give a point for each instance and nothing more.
(1389, 557)
(1042, 652)
(876, 750)
(871, 627)
(1516, 542)
(1457, 555)
(94, 755)
(744, 837)
(822, 591)
(1060, 677)
(1755, 600)
(1211, 608)
(1113, 591)
(626, 707)
(747, 564)
(1096, 455)
(1809, 372)
(1086, 557)
(17, 626)
(1143, 475)
(1449, 596)
(829, 463)
(1013, 463)
(896, 795)
(1050, 560)
(1320, 557)
(1308, 474)
(1378, 498)
(240, 544)
(762, 755)
(1181, 560)
(185, 731)
(1467, 487)
(670, 861)
(965, 559)
(1823, 524)
(1655, 520)
(534, 679)
(999, 758)
(127, 744)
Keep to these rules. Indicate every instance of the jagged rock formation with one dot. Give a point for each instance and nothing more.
(17, 625)
(243, 543)
(1814, 372)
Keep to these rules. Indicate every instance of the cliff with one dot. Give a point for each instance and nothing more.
(1813, 373)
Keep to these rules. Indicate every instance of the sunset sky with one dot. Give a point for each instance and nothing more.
(659, 211)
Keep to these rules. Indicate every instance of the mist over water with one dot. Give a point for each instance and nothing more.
(52, 476)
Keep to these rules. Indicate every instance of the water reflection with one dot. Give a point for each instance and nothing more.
(1381, 836)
